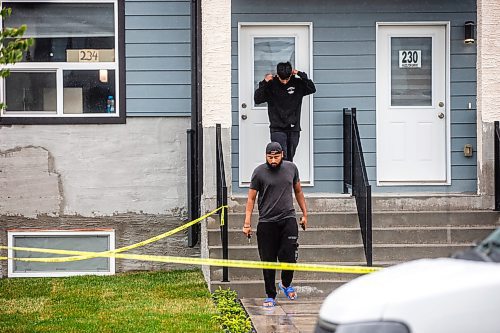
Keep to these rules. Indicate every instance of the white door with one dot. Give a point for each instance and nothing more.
(261, 48)
(412, 105)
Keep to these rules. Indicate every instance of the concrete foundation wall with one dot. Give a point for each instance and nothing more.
(129, 229)
(94, 170)
(209, 197)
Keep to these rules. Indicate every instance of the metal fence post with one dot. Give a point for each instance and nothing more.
(193, 231)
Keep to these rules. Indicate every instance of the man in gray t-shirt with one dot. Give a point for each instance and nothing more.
(277, 231)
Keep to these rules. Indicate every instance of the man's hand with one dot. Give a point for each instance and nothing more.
(247, 225)
(247, 230)
(299, 195)
(294, 72)
(303, 222)
(268, 77)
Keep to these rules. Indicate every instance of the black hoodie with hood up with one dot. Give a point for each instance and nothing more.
(284, 101)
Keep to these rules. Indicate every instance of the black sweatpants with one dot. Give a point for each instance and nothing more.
(277, 241)
(288, 141)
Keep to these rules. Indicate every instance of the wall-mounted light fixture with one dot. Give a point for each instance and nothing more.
(469, 32)
(103, 75)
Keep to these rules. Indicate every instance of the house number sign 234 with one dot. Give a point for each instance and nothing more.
(410, 59)
(88, 55)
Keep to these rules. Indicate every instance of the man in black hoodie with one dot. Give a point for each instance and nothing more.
(283, 94)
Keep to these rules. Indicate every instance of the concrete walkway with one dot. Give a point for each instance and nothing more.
(298, 316)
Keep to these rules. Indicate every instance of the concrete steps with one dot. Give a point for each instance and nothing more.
(255, 288)
(341, 236)
(256, 274)
(355, 252)
(385, 219)
(334, 238)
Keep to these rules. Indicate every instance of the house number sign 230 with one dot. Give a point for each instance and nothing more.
(410, 59)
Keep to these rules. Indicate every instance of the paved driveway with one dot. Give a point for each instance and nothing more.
(288, 316)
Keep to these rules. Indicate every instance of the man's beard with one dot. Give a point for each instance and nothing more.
(275, 166)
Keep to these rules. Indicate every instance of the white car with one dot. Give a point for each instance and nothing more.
(423, 296)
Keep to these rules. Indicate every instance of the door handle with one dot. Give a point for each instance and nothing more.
(441, 104)
(244, 105)
(244, 116)
(441, 115)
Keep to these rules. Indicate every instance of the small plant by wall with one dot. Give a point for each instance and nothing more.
(231, 315)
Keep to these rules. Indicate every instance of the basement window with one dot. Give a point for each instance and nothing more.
(95, 241)
(71, 73)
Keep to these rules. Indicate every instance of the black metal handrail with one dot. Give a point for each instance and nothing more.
(356, 178)
(497, 165)
(222, 197)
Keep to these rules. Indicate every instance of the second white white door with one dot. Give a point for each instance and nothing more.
(412, 105)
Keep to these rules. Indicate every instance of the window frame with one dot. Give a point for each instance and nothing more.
(15, 118)
(13, 233)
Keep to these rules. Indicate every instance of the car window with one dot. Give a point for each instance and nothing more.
(487, 250)
(490, 246)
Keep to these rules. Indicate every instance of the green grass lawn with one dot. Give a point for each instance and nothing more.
(175, 301)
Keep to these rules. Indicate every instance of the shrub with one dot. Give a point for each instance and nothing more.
(13, 46)
(232, 317)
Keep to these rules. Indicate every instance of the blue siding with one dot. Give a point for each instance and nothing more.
(344, 71)
(158, 57)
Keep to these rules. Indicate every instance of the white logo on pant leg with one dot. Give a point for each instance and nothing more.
(291, 90)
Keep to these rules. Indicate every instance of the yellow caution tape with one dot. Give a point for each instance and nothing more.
(171, 232)
(84, 255)
(143, 243)
(201, 261)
